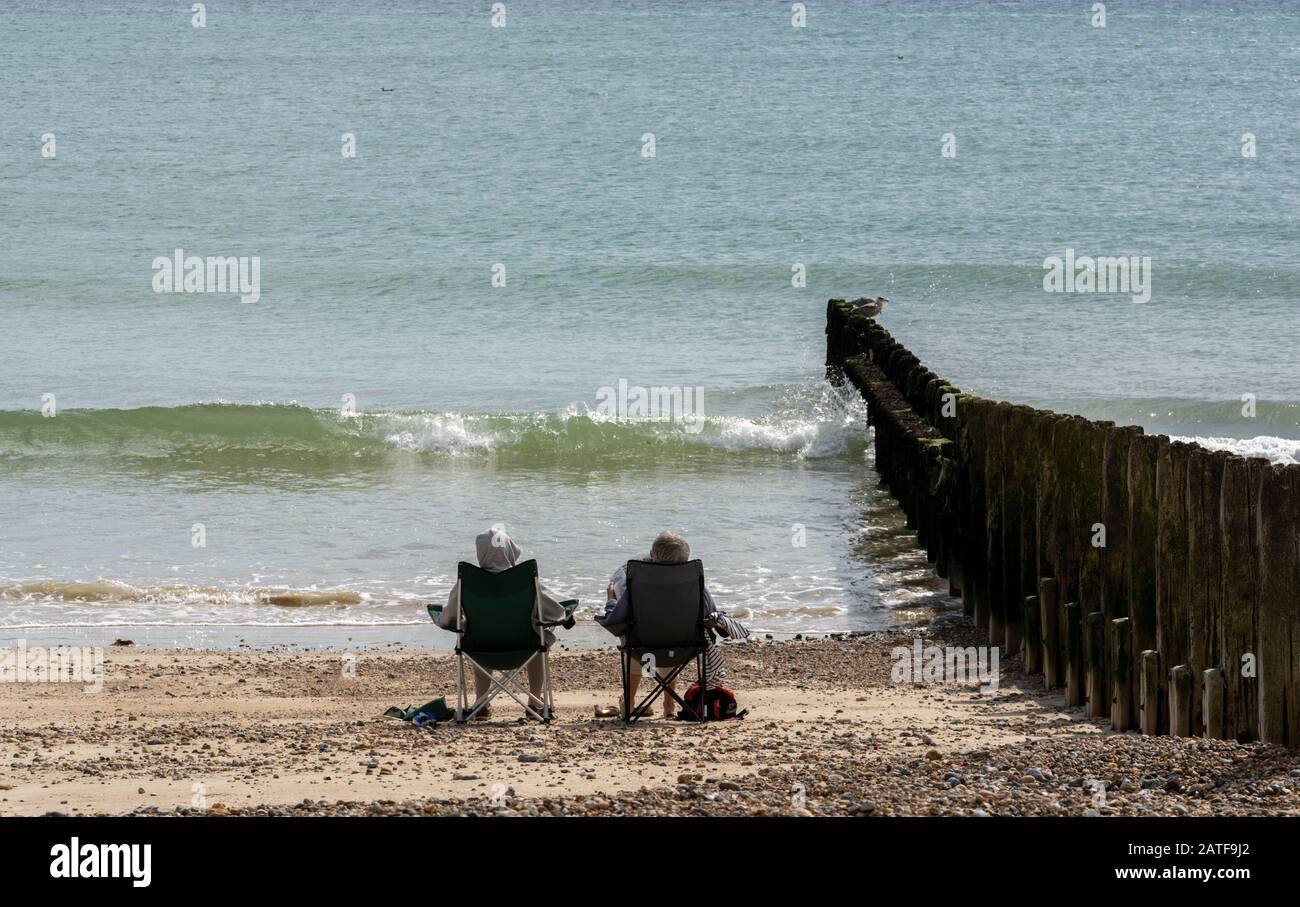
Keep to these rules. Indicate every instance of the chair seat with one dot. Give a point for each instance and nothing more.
(502, 661)
(668, 656)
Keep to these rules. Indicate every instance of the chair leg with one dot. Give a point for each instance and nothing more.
(704, 700)
(624, 667)
(507, 684)
(460, 688)
(663, 687)
(546, 686)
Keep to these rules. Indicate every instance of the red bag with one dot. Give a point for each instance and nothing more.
(719, 704)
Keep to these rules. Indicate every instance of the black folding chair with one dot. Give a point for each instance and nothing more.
(666, 623)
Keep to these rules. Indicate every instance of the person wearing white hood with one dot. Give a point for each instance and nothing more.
(498, 552)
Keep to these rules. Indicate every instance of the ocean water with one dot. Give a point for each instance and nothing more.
(336, 445)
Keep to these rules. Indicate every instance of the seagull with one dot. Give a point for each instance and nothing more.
(865, 305)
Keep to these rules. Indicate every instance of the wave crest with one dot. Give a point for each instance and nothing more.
(808, 422)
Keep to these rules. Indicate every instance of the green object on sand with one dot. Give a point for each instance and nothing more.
(436, 708)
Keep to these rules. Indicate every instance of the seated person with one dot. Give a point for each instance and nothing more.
(670, 548)
(498, 552)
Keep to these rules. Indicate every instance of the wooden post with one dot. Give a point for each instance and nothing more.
(1212, 703)
(1090, 513)
(1278, 626)
(1094, 644)
(973, 413)
(1033, 640)
(1239, 595)
(1140, 552)
(1204, 571)
(1115, 508)
(1027, 473)
(1121, 711)
(1173, 594)
(1014, 449)
(995, 562)
(1045, 500)
(1050, 620)
(1150, 692)
(1180, 701)
(1073, 656)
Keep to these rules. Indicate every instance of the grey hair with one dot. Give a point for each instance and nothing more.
(670, 548)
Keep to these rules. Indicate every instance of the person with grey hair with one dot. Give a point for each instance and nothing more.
(497, 552)
(670, 548)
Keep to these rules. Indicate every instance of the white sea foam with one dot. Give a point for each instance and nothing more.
(1277, 450)
(432, 432)
(816, 425)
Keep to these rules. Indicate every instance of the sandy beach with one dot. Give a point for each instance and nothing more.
(828, 733)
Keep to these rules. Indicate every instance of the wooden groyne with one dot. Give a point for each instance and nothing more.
(1157, 583)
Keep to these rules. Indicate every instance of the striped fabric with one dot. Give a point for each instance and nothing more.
(715, 665)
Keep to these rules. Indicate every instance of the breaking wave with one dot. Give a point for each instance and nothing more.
(809, 422)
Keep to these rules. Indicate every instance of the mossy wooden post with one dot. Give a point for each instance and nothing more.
(1052, 504)
(1090, 513)
(995, 564)
(948, 420)
(1212, 703)
(1029, 456)
(1239, 596)
(971, 412)
(1115, 518)
(1173, 597)
(1073, 655)
(1067, 447)
(1180, 701)
(1065, 455)
(1279, 613)
(1140, 552)
(1094, 644)
(932, 400)
(947, 404)
(836, 315)
(1115, 512)
(1204, 570)
(942, 503)
(1032, 641)
(1048, 590)
(1013, 468)
(966, 557)
(1045, 518)
(928, 466)
(1121, 690)
(1171, 559)
(1150, 692)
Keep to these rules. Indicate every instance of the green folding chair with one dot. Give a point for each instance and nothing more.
(495, 634)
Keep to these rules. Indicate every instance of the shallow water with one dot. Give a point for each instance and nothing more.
(522, 147)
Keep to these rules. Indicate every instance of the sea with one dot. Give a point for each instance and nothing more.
(561, 267)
